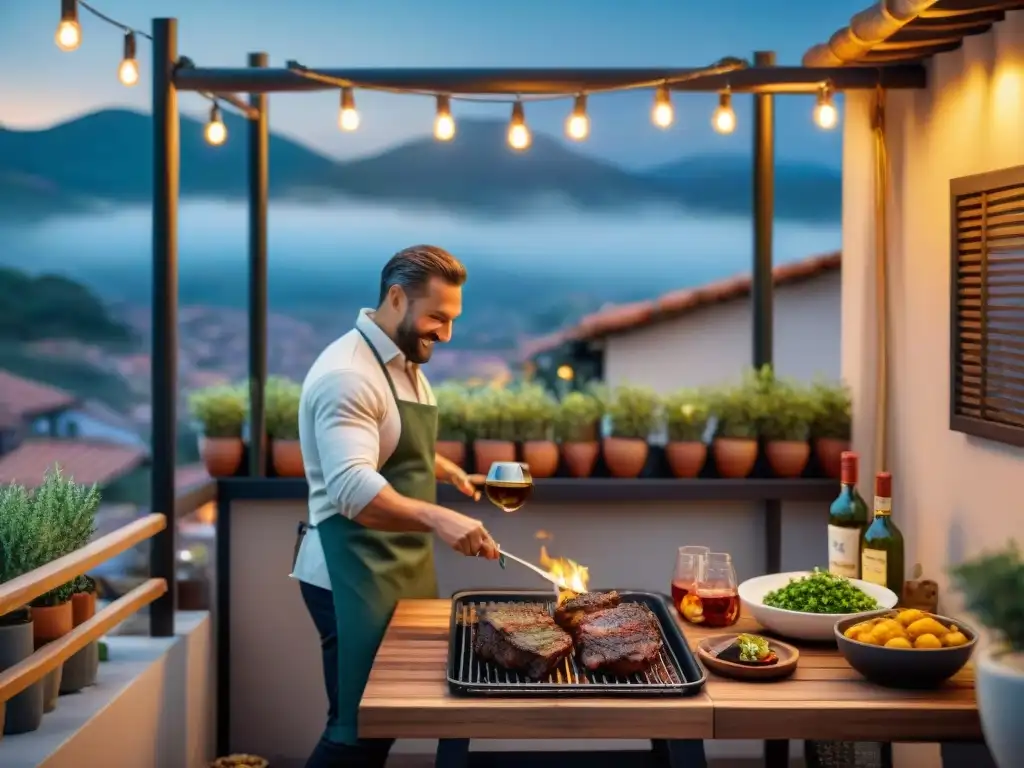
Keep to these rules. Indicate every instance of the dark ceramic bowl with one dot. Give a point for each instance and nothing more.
(905, 667)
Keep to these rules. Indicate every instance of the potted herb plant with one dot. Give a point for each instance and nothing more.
(534, 414)
(686, 418)
(78, 517)
(577, 426)
(452, 422)
(281, 409)
(735, 444)
(634, 414)
(491, 410)
(992, 586)
(22, 550)
(787, 412)
(221, 411)
(831, 428)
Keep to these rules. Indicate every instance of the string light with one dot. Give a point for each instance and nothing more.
(724, 118)
(825, 113)
(128, 72)
(444, 123)
(518, 134)
(348, 117)
(69, 31)
(578, 125)
(662, 114)
(216, 132)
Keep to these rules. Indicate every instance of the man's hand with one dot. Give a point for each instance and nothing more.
(449, 472)
(464, 534)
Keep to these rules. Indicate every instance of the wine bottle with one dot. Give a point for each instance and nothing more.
(882, 545)
(847, 519)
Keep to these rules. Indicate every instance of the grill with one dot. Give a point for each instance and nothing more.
(676, 672)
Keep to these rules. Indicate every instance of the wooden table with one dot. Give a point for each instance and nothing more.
(407, 697)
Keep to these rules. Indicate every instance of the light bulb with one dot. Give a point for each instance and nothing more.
(216, 132)
(69, 33)
(128, 72)
(825, 113)
(662, 114)
(348, 117)
(518, 134)
(724, 118)
(578, 125)
(444, 123)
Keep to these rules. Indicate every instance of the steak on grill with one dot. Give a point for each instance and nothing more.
(570, 613)
(523, 638)
(620, 640)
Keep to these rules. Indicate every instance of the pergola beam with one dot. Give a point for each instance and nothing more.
(511, 82)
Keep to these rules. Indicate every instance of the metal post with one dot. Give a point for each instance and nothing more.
(764, 211)
(164, 376)
(259, 157)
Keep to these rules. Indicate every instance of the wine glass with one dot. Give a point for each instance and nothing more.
(717, 591)
(686, 575)
(508, 485)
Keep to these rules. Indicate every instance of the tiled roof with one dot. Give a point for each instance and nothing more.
(86, 461)
(24, 398)
(627, 317)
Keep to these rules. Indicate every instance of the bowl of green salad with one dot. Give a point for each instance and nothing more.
(805, 605)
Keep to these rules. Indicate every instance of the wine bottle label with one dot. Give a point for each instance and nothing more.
(883, 505)
(874, 566)
(844, 551)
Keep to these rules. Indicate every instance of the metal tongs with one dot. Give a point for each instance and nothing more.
(536, 569)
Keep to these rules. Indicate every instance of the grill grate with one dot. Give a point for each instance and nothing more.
(676, 671)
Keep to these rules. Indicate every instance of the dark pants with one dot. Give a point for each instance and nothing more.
(368, 753)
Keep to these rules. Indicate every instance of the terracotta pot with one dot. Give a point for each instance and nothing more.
(48, 624)
(788, 458)
(734, 457)
(221, 455)
(541, 456)
(686, 459)
(625, 456)
(486, 452)
(287, 458)
(454, 451)
(828, 451)
(81, 668)
(580, 457)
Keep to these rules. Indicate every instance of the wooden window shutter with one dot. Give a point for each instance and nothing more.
(987, 306)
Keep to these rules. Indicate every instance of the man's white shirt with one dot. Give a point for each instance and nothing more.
(348, 428)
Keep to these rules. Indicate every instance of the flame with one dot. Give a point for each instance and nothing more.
(572, 577)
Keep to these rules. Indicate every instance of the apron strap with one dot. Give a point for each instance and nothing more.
(380, 361)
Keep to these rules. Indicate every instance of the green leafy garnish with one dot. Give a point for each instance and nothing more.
(752, 647)
(821, 592)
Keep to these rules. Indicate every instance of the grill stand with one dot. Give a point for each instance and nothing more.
(669, 753)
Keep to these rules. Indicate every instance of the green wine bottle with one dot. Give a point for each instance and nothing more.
(847, 519)
(882, 546)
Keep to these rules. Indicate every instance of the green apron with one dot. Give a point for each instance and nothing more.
(372, 570)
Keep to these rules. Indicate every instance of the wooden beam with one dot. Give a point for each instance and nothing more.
(954, 23)
(16, 679)
(950, 8)
(912, 35)
(888, 57)
(511, 82)
(27, 587)
(895, 43)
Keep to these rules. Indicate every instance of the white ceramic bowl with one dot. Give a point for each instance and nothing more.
(796, 624)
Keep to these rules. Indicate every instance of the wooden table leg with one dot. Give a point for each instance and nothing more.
(680, 753)
(885, 754)
(776, 753)
(452, 753)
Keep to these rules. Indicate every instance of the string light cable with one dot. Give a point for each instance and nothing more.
(69, 37)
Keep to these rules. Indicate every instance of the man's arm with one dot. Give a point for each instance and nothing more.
(347, 411)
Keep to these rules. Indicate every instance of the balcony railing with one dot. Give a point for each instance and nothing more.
(21, 591)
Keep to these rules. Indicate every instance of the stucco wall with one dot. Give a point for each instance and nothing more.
(714, 345)
(952, 493)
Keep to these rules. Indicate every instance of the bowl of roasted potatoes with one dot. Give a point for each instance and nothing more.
(905, 648)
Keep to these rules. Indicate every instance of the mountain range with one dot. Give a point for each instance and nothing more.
(104, 158)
